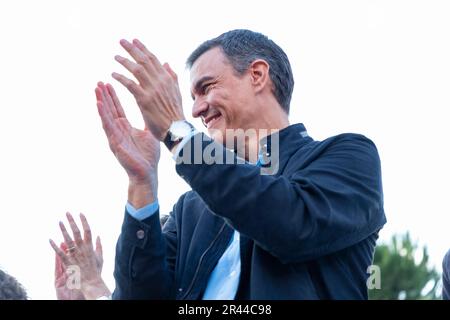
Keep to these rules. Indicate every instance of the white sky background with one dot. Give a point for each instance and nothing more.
(380, 68)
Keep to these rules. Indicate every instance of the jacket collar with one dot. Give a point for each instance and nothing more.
(277, 148)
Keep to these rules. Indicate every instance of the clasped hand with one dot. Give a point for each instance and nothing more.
(157, 92)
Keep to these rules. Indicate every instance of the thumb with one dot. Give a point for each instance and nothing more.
(59, 267)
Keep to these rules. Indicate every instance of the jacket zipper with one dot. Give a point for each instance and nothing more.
(200, 262)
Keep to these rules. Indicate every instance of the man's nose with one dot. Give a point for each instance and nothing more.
(199, 108)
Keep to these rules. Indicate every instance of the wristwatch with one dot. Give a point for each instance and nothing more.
(177, 131)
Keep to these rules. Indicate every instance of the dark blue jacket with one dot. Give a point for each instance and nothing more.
(307, 232)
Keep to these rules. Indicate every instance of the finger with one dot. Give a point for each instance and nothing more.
(99, 253)
(107, 101)
(110, 127)
(140, 54)
(170, 71)
(114, 133)
(139, 70)
(76, 232)
(123, 126)
(137, 54)
(116, 101)
(58, 266)
(59, 252)
(59, 272)
(101, 99)
(129, 84)
(98, 247)
(107, 122)
(98, 93)
(147, 52)
(86, 229)
(63, 247)
(67, 239)
(114, 130)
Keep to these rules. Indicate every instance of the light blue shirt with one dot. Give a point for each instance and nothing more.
(224, 279)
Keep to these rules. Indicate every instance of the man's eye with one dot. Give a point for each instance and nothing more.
(206, 88)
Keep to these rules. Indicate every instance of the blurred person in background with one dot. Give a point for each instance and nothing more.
(10, 288)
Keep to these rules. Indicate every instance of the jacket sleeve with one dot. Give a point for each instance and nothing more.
(321, 207)
(145, 259)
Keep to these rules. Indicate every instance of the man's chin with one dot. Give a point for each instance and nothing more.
(217, 135)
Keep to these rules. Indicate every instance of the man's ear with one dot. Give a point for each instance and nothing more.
(259, 73)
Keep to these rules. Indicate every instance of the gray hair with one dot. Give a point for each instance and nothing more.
(242, 47)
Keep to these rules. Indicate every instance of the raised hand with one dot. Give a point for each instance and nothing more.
(157, 92)
(138, 151)
(79, 254)
(63, 291)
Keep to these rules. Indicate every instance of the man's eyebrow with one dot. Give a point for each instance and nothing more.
(199, 83)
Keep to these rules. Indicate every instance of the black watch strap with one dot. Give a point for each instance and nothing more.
(172, 138)
(169, 142)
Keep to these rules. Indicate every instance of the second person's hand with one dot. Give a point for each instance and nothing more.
(79, 254)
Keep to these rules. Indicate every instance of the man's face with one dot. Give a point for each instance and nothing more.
(222, 98)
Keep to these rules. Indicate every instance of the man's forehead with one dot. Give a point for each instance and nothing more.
(208, 63)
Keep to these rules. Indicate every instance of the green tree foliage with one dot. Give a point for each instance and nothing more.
(404, 271)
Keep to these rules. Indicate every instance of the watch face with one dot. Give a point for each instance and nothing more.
(180, 129)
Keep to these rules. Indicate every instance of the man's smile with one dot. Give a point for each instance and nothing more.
(210, 120)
